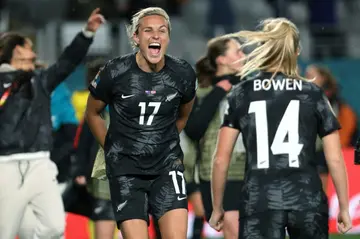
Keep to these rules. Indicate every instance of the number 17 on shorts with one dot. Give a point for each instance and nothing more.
(180, 187)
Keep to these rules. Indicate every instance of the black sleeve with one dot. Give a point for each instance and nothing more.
(327, 121)
(101, 87)
(232, 116)
(203, 113)
(83, 154)
(191, 85)
(66, 64)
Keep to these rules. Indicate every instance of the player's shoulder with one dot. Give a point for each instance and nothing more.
(179, 65)
(238, 91)
(311, 89)
(119, 65)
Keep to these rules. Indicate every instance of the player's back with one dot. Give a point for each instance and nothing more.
(280, 119)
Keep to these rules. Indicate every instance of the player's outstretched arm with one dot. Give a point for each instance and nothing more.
(337, 169)
(225, 145)
(93, 117)
(184, 112)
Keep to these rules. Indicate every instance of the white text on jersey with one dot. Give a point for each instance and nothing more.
(283, 84)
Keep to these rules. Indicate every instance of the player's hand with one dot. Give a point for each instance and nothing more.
(80, 180)
(95, 21)
(225, 85)
(344, 221)
(217, 219)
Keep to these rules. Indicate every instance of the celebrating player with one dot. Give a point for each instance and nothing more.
(280, 115)
(150, 96)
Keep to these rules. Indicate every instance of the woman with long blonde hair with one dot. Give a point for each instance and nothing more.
(280, 115)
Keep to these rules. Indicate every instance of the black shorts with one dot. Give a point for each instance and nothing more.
(273, 223)
(192, 188)
(232, 196)
(135, 197)
(102, 210)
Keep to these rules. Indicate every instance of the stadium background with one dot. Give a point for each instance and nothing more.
(330, 35)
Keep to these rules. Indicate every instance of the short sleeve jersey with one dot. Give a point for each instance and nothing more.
(142, 137)
(280, 119)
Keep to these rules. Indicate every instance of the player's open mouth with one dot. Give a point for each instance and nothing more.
(155, 48)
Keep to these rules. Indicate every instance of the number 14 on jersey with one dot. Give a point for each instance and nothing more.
(289, 125)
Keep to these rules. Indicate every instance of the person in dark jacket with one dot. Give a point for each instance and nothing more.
(29, 192)
(87, 148)
(217, 74)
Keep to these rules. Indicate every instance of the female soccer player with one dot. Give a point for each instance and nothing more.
(150, 96)
(280, 115)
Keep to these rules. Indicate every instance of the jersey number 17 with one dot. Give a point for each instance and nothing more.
(289, 125)
(154, 105)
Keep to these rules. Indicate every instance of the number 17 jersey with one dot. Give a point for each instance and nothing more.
(142, 138)
(280, 119)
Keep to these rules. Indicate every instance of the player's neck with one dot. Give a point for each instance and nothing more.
(146, 66)
(223, 71)
(274, 69)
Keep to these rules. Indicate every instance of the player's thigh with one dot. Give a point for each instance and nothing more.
(168, 203)
(130, 205)
(104, 229)
(263, 225)
(173, 224)
(308, 224)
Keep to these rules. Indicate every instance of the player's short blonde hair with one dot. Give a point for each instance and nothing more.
(277, 46)
(135, 21)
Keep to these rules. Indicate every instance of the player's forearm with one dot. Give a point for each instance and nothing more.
(218, 180)
(338, 173)
(97, 126)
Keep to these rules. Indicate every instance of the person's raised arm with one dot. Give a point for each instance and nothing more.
(73, 54)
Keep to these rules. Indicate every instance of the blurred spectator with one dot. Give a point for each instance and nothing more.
(30, 193)
(220, 14)
(64, 129)
(328, 39)
(217, 73)
(78, 100)
(279, 7)
(346, 116)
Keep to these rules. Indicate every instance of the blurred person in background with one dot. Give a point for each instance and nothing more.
(280, 115)
(64, 124)
(87, 150)
(79, 100)
(347, 118)
(220, 14)
(329, 41)
(27, 175)
(191, 174)
(150, 96)
(217, 74)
